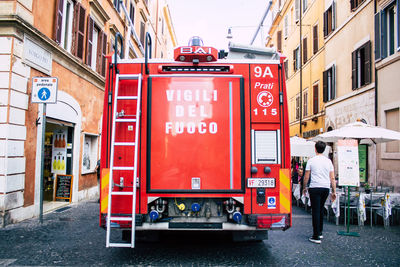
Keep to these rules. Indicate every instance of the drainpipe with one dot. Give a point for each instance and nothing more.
(301, 69)
(376, 79)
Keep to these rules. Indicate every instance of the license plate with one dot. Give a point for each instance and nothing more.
(261, 182)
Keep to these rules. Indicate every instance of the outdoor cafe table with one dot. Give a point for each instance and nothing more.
(373, 201)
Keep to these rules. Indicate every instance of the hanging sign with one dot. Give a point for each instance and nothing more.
(349, 172)
(44, 89)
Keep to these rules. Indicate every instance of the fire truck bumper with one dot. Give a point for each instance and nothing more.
(194, 226)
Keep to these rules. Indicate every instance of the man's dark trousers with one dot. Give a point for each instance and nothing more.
(318, 197)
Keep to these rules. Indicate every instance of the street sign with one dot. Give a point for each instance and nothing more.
(44, 89)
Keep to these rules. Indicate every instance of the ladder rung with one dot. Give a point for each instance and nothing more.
(125, 120)
(121, 193)
(127, 97)
(124, 168)
(121, 219)
(124, 144)
(128, 76)
(121, 245)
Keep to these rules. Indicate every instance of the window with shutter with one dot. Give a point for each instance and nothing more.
(297, 107)
(142, 32)
(132, 12)
(315, 39)
(286, 27)
(305, 50)
(79, 35)
(367, 63)
(329, 20)
(305, 5)
(315, 99)
(325, 86)
(354, 70)
(58, 21)
(377, 20)
(297, 10)
(89, 42)
(305, 103)
(361, 66)
(286, 66)
(99, 52)
(103, 54)
(279, 40)
(354, 4)
(63, 25)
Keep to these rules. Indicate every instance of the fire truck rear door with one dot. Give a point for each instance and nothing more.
(195, 138)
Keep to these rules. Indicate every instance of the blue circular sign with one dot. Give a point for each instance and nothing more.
(44, 94)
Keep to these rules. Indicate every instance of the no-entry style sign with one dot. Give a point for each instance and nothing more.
(44, 89)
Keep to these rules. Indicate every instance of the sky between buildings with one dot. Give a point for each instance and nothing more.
(210, 19)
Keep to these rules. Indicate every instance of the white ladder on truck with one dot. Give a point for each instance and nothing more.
(117, 119)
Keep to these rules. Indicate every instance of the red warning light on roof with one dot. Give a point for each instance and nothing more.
(190, 53)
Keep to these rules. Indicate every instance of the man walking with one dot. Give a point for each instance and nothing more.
(322, 178)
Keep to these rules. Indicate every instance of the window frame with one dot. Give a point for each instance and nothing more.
(93, 152)
(315, 39)
(305, 50)
(329, 83)
(361, 66)
(315, 98)
(305, 103)
(286, 27)
(296, 59)
(381, 25)
(330, 16)
(355, 4)
(67, 26)
(384, 109)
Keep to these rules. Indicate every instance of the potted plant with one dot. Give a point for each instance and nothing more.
(367, 188)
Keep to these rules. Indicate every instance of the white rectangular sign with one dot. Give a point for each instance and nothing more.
(36, 56)
(44, 89)
(349, 172)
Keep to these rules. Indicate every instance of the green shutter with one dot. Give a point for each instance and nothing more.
(383, 34)
(377, 36)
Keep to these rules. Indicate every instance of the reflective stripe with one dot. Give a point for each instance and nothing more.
(105, 174)
(284, 194)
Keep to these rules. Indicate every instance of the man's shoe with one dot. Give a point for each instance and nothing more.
(314, 240)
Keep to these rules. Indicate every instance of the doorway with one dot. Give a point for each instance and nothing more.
(57, 159)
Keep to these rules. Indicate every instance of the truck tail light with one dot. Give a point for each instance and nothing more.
(273, 222)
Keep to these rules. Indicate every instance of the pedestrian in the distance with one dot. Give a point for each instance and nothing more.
(322, 178)
(98, 177)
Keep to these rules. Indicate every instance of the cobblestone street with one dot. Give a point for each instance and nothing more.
(72, 237)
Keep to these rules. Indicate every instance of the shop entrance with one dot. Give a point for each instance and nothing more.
(57, 157)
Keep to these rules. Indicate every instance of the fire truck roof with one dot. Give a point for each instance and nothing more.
(238, 51)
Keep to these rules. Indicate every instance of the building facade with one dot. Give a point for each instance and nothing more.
(297, 32)
(329, 65)
(387, 65)
(348, 77)
(68, 40)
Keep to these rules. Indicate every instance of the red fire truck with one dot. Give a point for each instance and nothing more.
(200, 142)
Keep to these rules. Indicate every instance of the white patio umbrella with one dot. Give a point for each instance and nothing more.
(300, 147)
(363, 132)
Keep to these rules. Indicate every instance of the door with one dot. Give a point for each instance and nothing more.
(195, 134)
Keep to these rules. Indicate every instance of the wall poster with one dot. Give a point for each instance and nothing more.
(59, 152)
